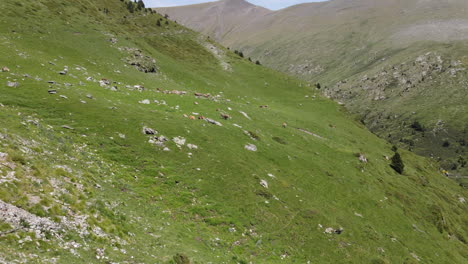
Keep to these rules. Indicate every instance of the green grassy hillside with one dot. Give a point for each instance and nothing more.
(86, 175)
(367, 55)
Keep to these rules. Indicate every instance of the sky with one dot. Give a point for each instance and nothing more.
(270, 4)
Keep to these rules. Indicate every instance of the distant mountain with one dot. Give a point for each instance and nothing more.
(217, 19)
(391, 62)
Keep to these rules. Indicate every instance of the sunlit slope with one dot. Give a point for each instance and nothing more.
(87, 172)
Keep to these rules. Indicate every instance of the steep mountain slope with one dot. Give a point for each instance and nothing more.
(122, 141)
(419, 47)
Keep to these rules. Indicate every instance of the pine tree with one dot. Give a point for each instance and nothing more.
(140, 5)
(130, 7)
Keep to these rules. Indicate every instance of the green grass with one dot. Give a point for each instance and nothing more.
(211, 207)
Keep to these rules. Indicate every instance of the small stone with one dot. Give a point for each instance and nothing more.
(264, 183)
(362, 158)
(149, 131)
(251, 147)
(52, 91)
(146, 101)
(13, 84)
(192, 146)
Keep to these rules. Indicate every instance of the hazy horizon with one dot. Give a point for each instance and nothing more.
(270, 4)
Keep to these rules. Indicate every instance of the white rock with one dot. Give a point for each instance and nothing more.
(244, 114)
(264, 183)
(192, 146)
(146, 101)
(180, 141)
(251, 147)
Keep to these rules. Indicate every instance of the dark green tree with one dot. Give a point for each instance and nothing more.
(131, 7)
(140, 5)
(397, 163)
(158, 23)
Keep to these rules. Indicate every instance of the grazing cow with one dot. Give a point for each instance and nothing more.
(285, 125)
(264, 106)
(198, 94)
(201, 117)
(192, 117)
(5, 69)
(225, 116)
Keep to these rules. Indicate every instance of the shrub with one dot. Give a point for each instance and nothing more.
(258, 63)
(180, 258)
(446, 144)
(280, 140)
(397, 163)
(417, 126)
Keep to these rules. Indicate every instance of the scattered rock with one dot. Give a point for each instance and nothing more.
(52, 91)
(13, 84)
(146, 101)
(264, 183)
(415, 256)
(149, 131)
(191, 146)
(245, 115)
(362, 158)
(251, 147)
(67, 127)
(20, 218)
(140, 61)
(180, 141)
(211, 121)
